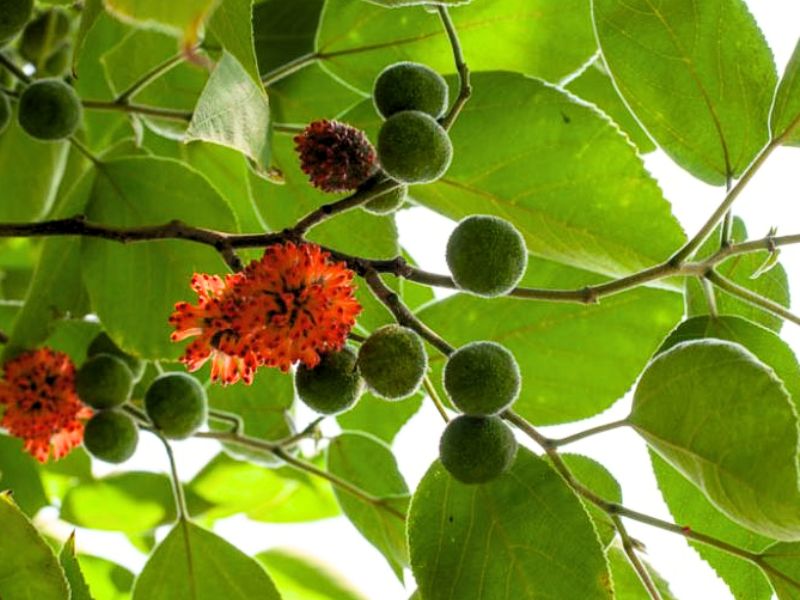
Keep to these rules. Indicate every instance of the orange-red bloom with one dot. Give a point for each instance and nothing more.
(290, 306)
(40, 403)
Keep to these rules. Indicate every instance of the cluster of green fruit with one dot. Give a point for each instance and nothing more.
(49, 109)
(175, 403)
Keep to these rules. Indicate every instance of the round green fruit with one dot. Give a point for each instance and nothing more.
(49, 109)
(14, 14)
(5, 112)
(486, 255)
(111, 435)
(333, 386)
(393, 362)
(414, 148)
(176, 403)
(43, 35)
(410, 86)
(103, 344)
(482, 378)
(477, 449)
(104, 381)
(387, 202)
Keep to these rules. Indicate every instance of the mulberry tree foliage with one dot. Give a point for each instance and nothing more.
(199, 244)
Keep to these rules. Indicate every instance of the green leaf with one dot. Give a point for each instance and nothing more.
(131, 502)
(106, 579)
(690, 508)
(566, 177)
(515, 537)
(92, 9)
(694, 406)
(78, 588)
(233, 111)
(627, 585)
(179, 17)
(194, 564)
(20, 475)
(300, 577)
(698, 75)
(786, 111)
(784, 572)
(597, 478)
(28, 568)
(567, 374)
(378, 417)
(595, 85)
(773, 284)
(232, 26)
(284, 31)
(401, 3)
(369, 464)
(282, 495)
(131, 192)
(357, 40)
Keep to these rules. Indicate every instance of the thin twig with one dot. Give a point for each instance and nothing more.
(629, 547)
(169, 114)
(465, 89)
(147, 78)
(180, 498)
(11, 66)
(83, 149)
(289, 68)
(734, 289)
(237, 425)
(437, 402)
(588, 433)
(308, 431)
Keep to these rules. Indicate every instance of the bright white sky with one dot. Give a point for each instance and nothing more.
(771, 199)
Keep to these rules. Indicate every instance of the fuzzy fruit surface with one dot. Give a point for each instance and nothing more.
(393, 362)
(482, 378)
(410, 86)
(111, 435)
(477, 449)
(333, 386)
(44, 35)
(49, 109)
(176, 404)
(5, 112)
(104, 381)
(486, 255)
(14, 14)
(387, 202)
(414, 148)
(103, 344)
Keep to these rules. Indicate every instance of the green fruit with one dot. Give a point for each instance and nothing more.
(410, 86)
(14, 14)
(111, 435)
(43, 35)
(333, 385)
(486, 255)
(477, 449)
(102, 344)
(387, 202)
(482, 378)
(393, 362)
(176, 403)
(104, 381)
(5, 112)
(49, 109)
(414, 148)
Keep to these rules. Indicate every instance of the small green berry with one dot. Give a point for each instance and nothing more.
(14, 14)
(104, 381)
(387, 202)
(49, 109)
(333, 385)
(477, 449)
(393, 362)
(414, 148)
(410, 86)
(486, 255)
(111, 435)
(103, 344)
(177, 405)
(43, 35)
(5, 112)
(482, 378)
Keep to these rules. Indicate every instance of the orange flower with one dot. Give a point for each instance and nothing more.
(41, 405)
(290, 306)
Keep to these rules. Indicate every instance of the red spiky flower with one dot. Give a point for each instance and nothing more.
(290, 306)
(40, 403)
(335, 156)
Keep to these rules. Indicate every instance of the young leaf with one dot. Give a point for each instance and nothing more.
(698, 75)
(301, 577)
(28, 568)
(786, 111)
(515, 537)
(694, 405)
(106, 580)
(369, 464)
(232, 26)
(192, 563)
(78, 588)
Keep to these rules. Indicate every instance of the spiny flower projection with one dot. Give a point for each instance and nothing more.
(290, 306)
(335, 156)
(40, 404)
